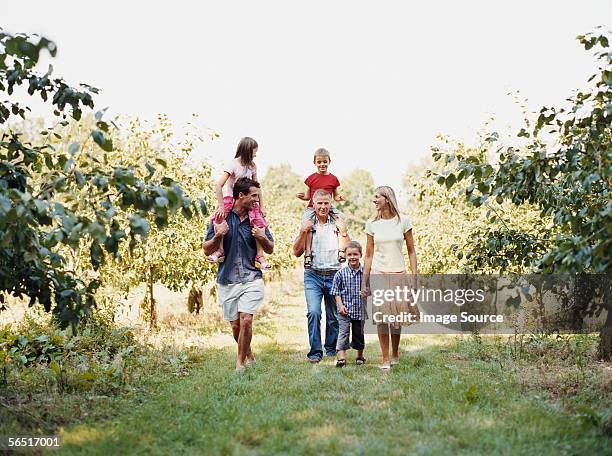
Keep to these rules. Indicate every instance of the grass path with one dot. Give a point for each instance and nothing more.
(435, 402)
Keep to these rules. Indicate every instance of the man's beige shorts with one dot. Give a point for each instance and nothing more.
(240, 297)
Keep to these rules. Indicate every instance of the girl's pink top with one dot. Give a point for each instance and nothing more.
(235, 170)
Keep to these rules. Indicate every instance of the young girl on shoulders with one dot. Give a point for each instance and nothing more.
(243, 165)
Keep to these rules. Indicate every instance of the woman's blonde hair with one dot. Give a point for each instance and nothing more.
(389, 195)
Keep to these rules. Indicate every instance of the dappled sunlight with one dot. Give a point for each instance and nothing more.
(82, 435)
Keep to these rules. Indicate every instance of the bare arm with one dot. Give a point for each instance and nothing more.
(214, 244)
(411, 255)
(304, 196)
(266, 244)
(219, 192)
(341, 308)
(341, 224)
(338, 196)
(261, 202)
(300, 242)
(367, 267)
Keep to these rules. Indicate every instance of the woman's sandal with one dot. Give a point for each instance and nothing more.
(261, 263)
(341, 256)
(360, 361)
(308, 261)
(341, 363)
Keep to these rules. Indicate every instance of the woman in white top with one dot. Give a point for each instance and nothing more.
(384, 259)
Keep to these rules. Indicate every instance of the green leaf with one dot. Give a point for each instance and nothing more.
(161, 201)
(450, 180)
(74, 147)
(55, 367)
(79, 178)
(139, 225)
(203, 206)
(99, 138)
(5, 204)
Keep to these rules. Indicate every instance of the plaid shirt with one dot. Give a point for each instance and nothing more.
(347, 285)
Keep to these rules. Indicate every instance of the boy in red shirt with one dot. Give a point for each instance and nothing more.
(325, 180)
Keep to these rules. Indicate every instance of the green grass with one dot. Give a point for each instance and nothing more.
(428, 405)
(466, 395)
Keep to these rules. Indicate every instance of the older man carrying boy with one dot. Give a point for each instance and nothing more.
(318, 279)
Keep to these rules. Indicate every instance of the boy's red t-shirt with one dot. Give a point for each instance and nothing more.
(327, 182)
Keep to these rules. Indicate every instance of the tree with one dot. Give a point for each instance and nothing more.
(569, 183)
(279, 187)
(173, 252)
(446, 227)
(358, 189)
(41, 213)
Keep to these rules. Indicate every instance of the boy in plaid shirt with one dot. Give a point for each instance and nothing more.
(352, 311)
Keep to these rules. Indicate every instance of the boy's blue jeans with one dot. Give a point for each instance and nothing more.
(316, 288)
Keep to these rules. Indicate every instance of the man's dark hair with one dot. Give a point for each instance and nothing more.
(243, 185)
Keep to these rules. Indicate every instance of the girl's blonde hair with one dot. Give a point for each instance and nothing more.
(389, 195)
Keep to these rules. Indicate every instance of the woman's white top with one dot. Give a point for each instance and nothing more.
(388, 243)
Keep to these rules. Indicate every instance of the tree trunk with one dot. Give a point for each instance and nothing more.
(152, 306)
(605, 339)
(195, 299)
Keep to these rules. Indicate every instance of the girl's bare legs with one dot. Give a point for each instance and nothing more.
(219, 255)
(260, 259)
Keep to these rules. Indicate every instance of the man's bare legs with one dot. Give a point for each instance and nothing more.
(242, 330)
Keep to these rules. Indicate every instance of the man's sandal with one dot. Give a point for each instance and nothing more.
(360, 361)
(341, 363)
(308, 261)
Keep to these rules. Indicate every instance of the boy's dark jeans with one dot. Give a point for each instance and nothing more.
(345, 330)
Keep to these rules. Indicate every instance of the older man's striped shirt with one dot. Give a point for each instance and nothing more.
(347, 285)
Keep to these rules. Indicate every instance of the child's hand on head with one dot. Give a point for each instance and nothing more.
(301, 195)
(340, 197)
